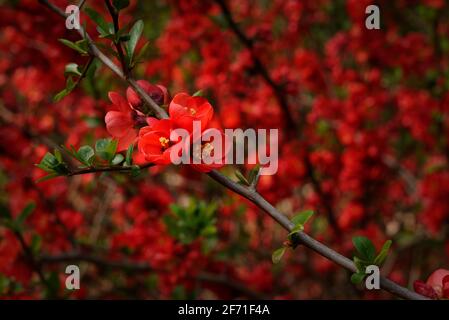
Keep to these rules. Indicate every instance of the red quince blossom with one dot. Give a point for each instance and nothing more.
(207, 148)
(184, 109)
(156, 92)
(120, 121)
(154, 141)
(436, 286)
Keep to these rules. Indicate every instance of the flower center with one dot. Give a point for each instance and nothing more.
(164, 142)
(204, 150)
(191, 110)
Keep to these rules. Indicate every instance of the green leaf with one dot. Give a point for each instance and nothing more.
(49, 161)
(120, 4)
(129, 155)
(302, 217)
(277, 255)
(106, 149)
(134, 33)
(380, 259)
(99, 21)
(357, 278)
(253, 173)
(29, 208)
(36, 242)
(360, 264)
(139, 57)
(72, 69)
(48, 177)
(241, 178)
(86, 155)
(199, 93)
(365, 248)
(118, 159)
(75, 46)
(70, 85)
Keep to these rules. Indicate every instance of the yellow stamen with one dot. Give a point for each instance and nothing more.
(164, 141)
(207, 149)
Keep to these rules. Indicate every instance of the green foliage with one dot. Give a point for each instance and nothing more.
(365, 248)
(106, 148)
(129, 155)
(16, 224)
(252, 176)
(53, 164)
(69, 86)
(79, 46)
(367, 256)
(85, 155)
(190, 223)
(299, 221)
(72, 69)
(105, 29)
(241, 178)
(278, 254)
(135, 33)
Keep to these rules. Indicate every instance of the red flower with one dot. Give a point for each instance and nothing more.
(209, 154)
(154, 141)
(436, 286)
(157, 92)
(185, 109)
(120, 121)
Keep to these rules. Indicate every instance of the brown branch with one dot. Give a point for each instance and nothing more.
(107, 169)
(250, 194)
(118, 45)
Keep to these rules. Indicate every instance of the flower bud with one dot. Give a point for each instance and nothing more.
(157, 92)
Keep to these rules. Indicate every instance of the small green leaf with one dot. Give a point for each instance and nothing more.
(360, 264)
(253, 173)
(72, 45)
(86, 155)
(357, 278)
(36, 242)
(365, 248)
(129, 155)
(118, 159)
(120, 4)
(72, 69)
(380, 259)
(106, 149)
(302, 217)
(70, 85)
(277, 255)
(99, 21)
(48, 177)
(199, 93)
(241, 178)
(135, 33)
(141, 55)
(29, 208)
